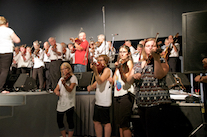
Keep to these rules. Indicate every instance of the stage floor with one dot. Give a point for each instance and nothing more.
(34, 114)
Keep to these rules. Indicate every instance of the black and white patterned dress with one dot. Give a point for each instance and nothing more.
(150, 90)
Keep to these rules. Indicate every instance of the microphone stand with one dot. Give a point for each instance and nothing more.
(204, 123)
(104, 27)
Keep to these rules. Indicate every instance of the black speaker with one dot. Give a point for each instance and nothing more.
(176, 79)
(84, 79)
(25, 83)
(194, 33)
(11, 79)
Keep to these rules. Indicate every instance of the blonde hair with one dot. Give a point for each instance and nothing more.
(67, 65)
(3, 21)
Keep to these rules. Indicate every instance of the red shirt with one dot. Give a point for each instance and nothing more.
(80, 55)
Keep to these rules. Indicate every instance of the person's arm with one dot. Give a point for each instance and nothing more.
(78, 47)
(112, 79)
(59, 50)
(105, 75)
(72, 84)
(70, 87)
(16, 58)
(15, 38)
(174, 47)
(124, 75)
(41, 55)
(27, 57)
(92, 87)
(57, 90)
(160, 69)
(202, 79)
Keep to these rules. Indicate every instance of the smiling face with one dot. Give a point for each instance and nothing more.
(150, 45)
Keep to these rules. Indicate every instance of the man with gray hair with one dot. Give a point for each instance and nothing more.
(81, 52)
(55, 56)
(102, 48)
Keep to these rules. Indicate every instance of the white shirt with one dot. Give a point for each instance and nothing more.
(104, 93)
(21, 63)
(53, 55)
(46, 58)
(120, 87)
(173, 53)
(14, 55)
(102, 50)
(136, 57)
(66, 56)
(90, 56)
(112, 54)
(66, 99)
(6, 42)
(132, 50)
(38, 60)
(72, 58)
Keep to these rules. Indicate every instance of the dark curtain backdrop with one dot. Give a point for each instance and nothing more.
(131, 19)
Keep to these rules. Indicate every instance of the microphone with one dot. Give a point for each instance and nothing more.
(114, 34)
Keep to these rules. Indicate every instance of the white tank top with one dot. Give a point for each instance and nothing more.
(120, 87)
(103, 93)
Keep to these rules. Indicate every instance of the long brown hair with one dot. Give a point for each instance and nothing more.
(144, 54)
(129, 55)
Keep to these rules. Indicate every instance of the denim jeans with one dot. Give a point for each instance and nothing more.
(79, 68)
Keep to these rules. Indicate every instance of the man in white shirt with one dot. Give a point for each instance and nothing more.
(38, 67)
(174, 54)
(103, 49)
(66, 52)
(55, 56)
(47, 66)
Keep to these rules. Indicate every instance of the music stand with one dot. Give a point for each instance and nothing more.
(205, 114)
